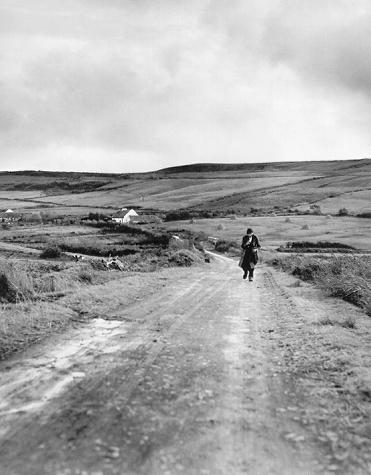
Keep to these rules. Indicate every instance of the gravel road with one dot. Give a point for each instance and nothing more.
(190, 380)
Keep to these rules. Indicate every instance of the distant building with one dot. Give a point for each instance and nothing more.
(9, 216)
(125, 216)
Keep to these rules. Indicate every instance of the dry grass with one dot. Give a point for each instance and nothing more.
(23, 324)
(344, 276)
(15, 283)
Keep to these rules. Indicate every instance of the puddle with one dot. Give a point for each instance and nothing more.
(40, 376)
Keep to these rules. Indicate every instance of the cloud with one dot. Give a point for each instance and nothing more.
(324, 41)
(130, 83)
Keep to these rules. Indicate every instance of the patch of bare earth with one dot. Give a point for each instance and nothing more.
(210, 374)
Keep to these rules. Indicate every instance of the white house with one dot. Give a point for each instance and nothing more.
(9, 216)
(125, 216)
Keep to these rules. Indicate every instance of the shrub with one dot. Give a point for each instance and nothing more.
(85, 277)
(315, 209)
(184, 258)
(306, 272)
(318, 245)
(147, 236)
(305, 227)
(287, 220)
(177, 215)
(366, 214)
(225, 246)
(51, 252)
(343, 212)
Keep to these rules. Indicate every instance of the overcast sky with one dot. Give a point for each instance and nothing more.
(135, 85)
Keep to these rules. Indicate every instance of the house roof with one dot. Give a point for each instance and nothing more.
(119, 214)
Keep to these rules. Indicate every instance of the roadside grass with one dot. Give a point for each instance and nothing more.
(33, 291)
(30, 321)
(15, 283)
(345, 276)
(29, 280)
(26, 323)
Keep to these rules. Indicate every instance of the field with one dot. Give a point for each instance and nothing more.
(267, 188)
(275, 231)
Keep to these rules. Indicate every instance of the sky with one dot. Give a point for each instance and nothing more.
(138, 85)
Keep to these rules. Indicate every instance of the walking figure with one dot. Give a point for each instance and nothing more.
(249, 259)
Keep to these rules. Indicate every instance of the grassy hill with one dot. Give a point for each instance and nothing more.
(203, 187)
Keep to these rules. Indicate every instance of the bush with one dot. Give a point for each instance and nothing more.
(225, 246)
(86, 277)
(184, 258)
(177, 215)
(343, 212)
(305, 227)
(51, 252)
(315, 209)
(147, 236)
(366, 214)
(318, 245)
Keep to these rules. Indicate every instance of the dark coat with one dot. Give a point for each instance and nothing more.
(249, 258)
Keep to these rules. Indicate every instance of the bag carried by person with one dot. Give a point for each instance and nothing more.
(241, 259)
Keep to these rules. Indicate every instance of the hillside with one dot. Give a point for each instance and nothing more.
(204, 186)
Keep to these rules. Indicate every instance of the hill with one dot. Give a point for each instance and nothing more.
(199, 187)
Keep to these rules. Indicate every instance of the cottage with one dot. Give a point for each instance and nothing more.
(124, 216)
(9, 216)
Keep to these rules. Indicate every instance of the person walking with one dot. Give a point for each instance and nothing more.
(249, 259)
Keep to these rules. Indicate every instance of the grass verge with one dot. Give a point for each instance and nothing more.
(347, 277)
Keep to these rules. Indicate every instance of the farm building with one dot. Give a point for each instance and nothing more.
(125, 216)
(9, 216)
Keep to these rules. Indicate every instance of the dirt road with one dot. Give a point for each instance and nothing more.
(195, 379)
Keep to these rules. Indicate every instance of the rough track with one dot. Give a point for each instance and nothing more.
(187, 381)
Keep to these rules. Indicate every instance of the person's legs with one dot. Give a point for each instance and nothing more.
(245, 274)
(251, 274)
